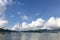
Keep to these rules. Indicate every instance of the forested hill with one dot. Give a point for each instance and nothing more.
(6, 30)
(44, 31)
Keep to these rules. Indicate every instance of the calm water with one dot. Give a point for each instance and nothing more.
(30, 36)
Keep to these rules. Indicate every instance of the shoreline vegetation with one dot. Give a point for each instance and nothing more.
(43, 31)
(3, 31)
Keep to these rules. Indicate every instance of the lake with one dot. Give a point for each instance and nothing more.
(30, 36)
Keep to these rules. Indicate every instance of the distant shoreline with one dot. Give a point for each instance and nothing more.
(43, 31)
(31, 31)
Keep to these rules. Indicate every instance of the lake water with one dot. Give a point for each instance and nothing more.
(30, 36)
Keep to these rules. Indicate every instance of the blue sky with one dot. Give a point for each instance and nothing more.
(31, 10)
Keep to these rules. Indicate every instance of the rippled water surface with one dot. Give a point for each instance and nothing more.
(30, 36)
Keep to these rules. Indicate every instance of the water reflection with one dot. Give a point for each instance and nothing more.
(30, 36)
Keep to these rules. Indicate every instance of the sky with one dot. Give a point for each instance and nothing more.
(25, 11)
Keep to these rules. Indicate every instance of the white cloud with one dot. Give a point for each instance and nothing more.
(3, 5)
(38, 23)
(3, 23)
(31, 26)
(24, 17)
(51, 23)
(24, 25)
(3, 2)
(58, 22)
(16, 26)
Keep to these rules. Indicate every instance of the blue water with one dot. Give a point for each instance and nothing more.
(30, 36)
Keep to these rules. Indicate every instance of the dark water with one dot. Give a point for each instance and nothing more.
(30, 36)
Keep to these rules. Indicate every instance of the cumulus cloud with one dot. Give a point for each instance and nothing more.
(58, 22)
(3, 20)
(16, 26)
(31, 26)
(24, 25)
(51, 23)
(3, 4)
(3, 23)
(37, 23)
